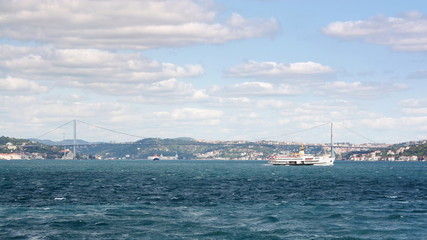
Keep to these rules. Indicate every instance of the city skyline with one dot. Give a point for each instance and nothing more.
(215, 70)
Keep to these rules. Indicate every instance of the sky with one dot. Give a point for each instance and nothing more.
(214, 69)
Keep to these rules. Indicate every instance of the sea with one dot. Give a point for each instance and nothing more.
(195, 199)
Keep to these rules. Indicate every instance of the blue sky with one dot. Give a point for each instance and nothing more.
(215, 70)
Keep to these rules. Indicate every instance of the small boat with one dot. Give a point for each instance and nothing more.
(301, 158)
(155, 157)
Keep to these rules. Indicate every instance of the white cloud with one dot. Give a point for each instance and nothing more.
(256, 89)
(34, 110)
(274, 69)
(323, 111)
(405, 33)
(415, 111)
(413, 102)
(99, 65)
(272, 103)
(13, 101)
(18, 86)
(231, 102)
(53, 110)
(195, 114)
(167, 91)
(83, 57)
(97, 70)
(125, 25)
(253, 115)
(358, 89)
(83, 60)
(414, 106)
(389, 123)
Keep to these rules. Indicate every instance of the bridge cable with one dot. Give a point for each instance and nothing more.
(54, 129)
(358, 134)
(111, 130)
(298, 131)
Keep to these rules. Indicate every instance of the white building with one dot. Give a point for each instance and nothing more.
(12, 156)
(10, 146)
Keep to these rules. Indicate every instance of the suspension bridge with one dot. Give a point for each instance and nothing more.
(75, 144)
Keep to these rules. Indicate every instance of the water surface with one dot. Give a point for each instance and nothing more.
(60, 199)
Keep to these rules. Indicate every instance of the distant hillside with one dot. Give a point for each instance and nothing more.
(419, 150)
(188, 148)
(15, 141)
(405, 150)
(143, 148)
(413, 148)
(29, 147)
(63, 142)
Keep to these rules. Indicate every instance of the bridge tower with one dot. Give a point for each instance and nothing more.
(74, 138)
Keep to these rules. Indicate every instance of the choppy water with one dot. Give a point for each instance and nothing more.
(211, 200)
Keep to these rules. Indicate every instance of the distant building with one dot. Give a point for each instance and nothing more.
(12, 156)
(68, 154)
(10, 146)
(161, 157)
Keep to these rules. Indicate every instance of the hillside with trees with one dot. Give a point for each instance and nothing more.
(188, 148)
(29, 148)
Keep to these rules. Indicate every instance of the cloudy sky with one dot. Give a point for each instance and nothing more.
(214, 69)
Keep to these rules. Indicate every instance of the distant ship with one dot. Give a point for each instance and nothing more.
(301, 158)
(156, 157)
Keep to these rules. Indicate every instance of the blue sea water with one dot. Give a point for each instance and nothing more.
(60, 199)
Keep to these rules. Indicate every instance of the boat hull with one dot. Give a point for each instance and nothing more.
(292, 161)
